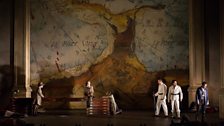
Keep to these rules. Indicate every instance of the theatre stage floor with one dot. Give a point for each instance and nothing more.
(127, 118)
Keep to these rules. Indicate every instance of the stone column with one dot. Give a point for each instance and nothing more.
(19, 47)
(27, 48)
(221, 91)
(212, 50)
(196, 47)
(22, 47)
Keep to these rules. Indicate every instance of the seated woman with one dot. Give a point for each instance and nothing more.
(113, 105)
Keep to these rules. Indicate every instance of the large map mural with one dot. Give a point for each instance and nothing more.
(119, 45)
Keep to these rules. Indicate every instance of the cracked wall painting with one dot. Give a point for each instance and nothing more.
(119, 45)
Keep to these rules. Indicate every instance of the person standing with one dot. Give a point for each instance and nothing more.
(161, 98)
(175, 95)
(88, 92)
(202, 100)
(37, 107)
(40, 95)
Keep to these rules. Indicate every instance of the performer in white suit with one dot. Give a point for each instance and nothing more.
(38, 100)
(40, 93)
(175, 95)
(161, 98)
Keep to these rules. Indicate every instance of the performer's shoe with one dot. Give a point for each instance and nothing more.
(118, 112)
(156, 116)
(166, 116)
(41, 110)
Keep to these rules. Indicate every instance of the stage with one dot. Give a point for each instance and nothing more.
(127, 118)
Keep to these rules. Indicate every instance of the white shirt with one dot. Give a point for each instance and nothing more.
(175, 93)
(88, 91)
(39, 95)
(162, 90)
(203, 92)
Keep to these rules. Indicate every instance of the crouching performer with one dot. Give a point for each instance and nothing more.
(113, 105)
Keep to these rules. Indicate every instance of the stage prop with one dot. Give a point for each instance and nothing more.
(99, 106)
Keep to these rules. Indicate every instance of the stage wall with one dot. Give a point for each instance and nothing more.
(119, 45)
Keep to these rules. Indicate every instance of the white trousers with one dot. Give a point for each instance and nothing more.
(114, 106)
(39, 100)
(175, 105)
(158, 106)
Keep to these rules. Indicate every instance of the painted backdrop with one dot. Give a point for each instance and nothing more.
(119, 45)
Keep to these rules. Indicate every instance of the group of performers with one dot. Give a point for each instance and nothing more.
(89, 94)
(175, 96)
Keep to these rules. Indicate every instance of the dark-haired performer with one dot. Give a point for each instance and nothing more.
(175, 95)
(40, 95)
(38, 100)
(161, 99)
(88, 92)
(202, 100)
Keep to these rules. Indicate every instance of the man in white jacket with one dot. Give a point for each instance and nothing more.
(161, 98)
(175, 95)
(40, 94)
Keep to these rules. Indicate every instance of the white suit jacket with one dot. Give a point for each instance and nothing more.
(162, 90)
(175, 93)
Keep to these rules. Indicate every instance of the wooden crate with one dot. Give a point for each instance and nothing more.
(99, 106)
